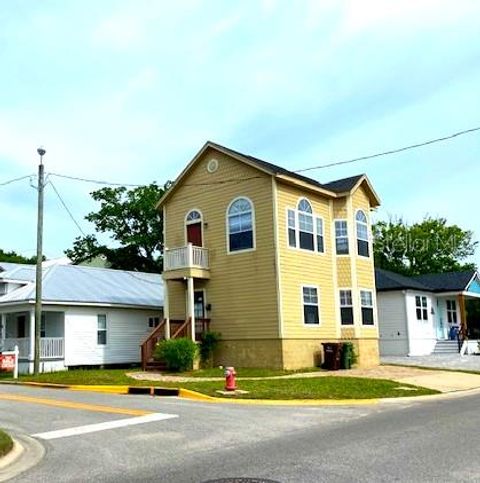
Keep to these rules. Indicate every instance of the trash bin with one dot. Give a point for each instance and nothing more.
(347, 355)
(332, 352)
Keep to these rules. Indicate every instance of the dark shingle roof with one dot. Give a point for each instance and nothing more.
(338, 186)
(345, 184)
(386, 280)
(432, 282)
(446, 282)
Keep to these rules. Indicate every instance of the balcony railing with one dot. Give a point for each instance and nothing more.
(50, 347)
(186, 257)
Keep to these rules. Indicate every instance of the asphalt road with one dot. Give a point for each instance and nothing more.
(429, 441)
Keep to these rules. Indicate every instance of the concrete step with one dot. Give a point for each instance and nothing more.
(446, 347)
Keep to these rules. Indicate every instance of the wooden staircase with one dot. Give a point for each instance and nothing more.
(178, 328)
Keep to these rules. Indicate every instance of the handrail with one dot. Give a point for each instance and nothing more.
(146, 347)
(154, 331)
(182, 327)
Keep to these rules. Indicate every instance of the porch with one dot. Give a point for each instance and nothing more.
(18, 329)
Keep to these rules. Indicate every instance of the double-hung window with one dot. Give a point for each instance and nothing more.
(421, 307)
(305, 230)
(311, 315)
(240, 225)
(346, 307)
(101, 329)
(341, 237)
(153, 322)
(362, 234)
(451, 312)
(366, 302)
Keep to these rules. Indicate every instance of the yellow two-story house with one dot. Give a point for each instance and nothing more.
(276, 262)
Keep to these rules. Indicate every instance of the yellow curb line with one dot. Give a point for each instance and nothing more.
(197, 396)
(99, 388)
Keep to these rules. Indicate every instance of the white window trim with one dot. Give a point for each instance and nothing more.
(347, 237)
(102, 330)
(367, 224)
(340, 289)
(227, 227)
(297, 230)
(314, 326)
(421, 307)
(186, 223)
(374, 306)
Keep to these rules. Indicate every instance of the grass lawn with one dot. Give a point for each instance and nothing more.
(6, 443)
(326, 387)
(244, 372)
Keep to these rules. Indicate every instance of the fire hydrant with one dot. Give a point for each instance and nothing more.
(230, 384)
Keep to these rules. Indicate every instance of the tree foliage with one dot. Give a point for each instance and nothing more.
(14, 257)
(130, 219)
(429, 246)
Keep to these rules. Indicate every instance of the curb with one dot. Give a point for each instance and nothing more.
(27, 453)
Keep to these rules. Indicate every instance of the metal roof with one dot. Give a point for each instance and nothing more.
(89, 285)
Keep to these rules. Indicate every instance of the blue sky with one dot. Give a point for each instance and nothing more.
(128, 91)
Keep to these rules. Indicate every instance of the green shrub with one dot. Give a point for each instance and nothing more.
(6, 443)
(178, 354)
(208, 343)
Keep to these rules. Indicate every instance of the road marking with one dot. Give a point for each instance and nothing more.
(93, 428)
(74, 405)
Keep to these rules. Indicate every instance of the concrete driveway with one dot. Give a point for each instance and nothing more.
(440, 361)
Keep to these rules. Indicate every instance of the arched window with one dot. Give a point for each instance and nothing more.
(362, 234)
(304, 229)
(240, 225)
(193, 228)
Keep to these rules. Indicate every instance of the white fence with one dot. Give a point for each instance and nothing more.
(186, 257)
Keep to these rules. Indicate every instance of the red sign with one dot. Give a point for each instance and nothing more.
(7, 362)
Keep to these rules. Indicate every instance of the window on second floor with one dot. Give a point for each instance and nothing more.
(362, 234)
(240, 225)
(305, 230)
(341, 237)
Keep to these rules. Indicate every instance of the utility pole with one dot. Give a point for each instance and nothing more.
(38, 279)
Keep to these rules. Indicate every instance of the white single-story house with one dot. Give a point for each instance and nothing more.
(421, 315)
(90, 316)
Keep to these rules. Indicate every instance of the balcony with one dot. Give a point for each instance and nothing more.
(187, 261)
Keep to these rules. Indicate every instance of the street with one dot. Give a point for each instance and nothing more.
(105, 437)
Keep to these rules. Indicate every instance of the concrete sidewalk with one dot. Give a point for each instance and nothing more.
(443, 381)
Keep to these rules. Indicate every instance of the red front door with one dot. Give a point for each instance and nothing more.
(194, 234)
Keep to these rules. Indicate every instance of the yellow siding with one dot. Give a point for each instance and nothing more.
(301, 267)
(241, 290)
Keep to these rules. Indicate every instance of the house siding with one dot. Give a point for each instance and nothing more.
(126, 328)
(241, 289)
(392, 321)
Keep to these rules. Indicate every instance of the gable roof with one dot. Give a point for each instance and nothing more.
(88, 285)
(334, 189)
(432, 282)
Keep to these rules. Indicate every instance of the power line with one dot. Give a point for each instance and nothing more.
(392, 151)
(95, 181)
(5, 183)
(66, 208)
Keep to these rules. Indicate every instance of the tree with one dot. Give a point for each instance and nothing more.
(430, 246)
(14, 257)
(130, 219)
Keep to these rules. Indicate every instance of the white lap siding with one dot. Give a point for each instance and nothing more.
(125, 330)
(392, 323)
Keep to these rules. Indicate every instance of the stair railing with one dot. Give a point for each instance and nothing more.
(148, 344)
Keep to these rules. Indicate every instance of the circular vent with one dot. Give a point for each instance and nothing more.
(212, 166)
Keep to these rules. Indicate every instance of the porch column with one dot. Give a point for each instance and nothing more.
(166, 309)
(31, 326)
(463, 315)
(3, 328)
(191, 305)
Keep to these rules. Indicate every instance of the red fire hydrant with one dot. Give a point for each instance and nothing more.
(230, 384)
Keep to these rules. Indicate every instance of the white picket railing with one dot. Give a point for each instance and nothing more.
(186, 257)
(50, 347)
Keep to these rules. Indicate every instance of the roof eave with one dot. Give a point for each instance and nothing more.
(308, 186)
(375, 201)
